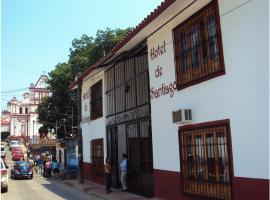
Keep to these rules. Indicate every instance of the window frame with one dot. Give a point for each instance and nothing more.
(199, 127)
(99, 168)
(130, 82)
(202, 78)
(95, 112)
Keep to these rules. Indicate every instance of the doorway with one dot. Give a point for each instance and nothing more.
(140, 158)
(112, 152)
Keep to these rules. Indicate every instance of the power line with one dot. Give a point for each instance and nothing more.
(29, 68)
(22, 70)
(16, 90)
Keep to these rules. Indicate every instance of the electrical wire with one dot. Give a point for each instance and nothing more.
(16, 90)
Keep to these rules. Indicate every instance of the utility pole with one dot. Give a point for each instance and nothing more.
(79, 128)
(72, 121)
(33, 139)
(56, 130)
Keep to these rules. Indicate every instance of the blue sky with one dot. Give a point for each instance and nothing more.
(37, 34)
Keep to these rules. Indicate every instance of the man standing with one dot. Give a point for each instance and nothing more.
(123, 166)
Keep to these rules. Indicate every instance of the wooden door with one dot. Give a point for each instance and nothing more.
(140, 158)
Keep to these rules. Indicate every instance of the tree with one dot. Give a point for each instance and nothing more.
(56, 110)
(88, 50)
(58, 107)
(43, 132)
(4, 135)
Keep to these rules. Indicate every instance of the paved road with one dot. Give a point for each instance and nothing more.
(41, 189)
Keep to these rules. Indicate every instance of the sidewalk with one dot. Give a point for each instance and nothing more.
(98, 190)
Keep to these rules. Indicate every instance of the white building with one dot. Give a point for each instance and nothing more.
(204, 132)
(5, 121)
(23, 115)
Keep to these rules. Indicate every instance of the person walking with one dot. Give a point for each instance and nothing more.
(108, 175)
(123, 167)
(48, 168)
(55, 168)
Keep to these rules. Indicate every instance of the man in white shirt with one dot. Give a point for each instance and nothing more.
(123, 166)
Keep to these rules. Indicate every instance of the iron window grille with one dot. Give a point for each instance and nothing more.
(96, 101)
(198, 47)
(97, 157)
(205, 161)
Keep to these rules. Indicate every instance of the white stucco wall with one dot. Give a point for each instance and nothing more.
(240, 95)
(4, 128)
(92, 129)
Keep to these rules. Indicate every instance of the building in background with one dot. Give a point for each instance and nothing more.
(5, 121)
(23, 115)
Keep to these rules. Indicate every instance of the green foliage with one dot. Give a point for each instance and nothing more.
(4, 135)
(88, 50)
(56, 110)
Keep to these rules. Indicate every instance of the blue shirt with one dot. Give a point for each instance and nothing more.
(123, 165)
(55, 165)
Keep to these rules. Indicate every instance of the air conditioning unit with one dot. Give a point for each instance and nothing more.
(182, 116)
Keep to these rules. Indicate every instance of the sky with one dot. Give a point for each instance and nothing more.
(37, 34)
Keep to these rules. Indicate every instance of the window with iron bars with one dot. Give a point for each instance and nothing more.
(97, 167)
(205, 161)
(96, 100)
(198, 47)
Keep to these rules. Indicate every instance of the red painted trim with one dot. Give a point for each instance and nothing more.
(147, 20)
(250, 188)
(167, 185)
(204, 124)
(87, 174)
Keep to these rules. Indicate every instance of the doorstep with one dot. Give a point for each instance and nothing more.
(98, 190)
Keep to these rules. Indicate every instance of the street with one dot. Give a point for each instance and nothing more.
(40, 188)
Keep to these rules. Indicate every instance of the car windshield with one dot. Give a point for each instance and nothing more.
(22, 164)
(17, 148)
(2, 148)
(2, 166)
(17, 152)
(14, 142)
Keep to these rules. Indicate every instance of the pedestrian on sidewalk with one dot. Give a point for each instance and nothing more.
(108, 175)
(123, 167)
(55, 168)
(48, 169)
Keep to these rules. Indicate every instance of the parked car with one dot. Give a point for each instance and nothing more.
(14, 143)
(21, 169)
(17, 155)
(4, 177)
(3, 151)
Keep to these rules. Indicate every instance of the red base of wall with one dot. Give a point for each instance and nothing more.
(250, 189)
(167, 185)
(89, 176)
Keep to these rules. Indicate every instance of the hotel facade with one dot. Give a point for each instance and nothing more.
(185, 95)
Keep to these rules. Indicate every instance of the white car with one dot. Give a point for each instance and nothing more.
(4, 177)
(14, 143)
(3, 151)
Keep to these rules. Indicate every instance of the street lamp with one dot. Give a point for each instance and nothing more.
(33, 139)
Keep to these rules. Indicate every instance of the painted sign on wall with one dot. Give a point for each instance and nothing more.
(164, 88)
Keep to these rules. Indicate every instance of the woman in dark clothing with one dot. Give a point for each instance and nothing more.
(108, 175)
